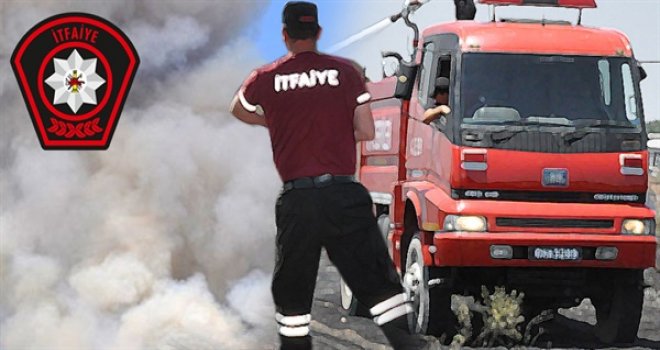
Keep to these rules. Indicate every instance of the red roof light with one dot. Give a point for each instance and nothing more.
(553, 3)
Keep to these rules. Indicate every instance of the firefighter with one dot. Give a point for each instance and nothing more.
(441, 98)
(315, 107)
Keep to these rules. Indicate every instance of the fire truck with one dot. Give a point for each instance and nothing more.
(534, 180)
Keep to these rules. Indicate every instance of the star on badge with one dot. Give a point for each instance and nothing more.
(75, 81)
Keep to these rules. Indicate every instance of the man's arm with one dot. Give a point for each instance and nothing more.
(244, 115)
(363, 123)
(432, 114)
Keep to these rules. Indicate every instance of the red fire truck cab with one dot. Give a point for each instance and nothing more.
(536, 180)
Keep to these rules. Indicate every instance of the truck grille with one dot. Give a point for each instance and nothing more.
(554, 223)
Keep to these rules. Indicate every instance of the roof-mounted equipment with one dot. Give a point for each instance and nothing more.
(578, 4)
(575, 4)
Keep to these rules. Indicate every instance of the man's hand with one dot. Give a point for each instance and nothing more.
(435, 113)
(252, 118)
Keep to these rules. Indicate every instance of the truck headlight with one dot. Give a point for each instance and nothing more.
(465, 223)
(637, 227)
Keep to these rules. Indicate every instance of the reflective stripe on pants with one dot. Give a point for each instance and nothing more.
(293, 326)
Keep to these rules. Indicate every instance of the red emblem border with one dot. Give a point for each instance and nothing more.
(126, 82)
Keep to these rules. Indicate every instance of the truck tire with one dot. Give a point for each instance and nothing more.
(349, 303)
(384, 225)
(432, 306)
(618, 314)
(533, 307)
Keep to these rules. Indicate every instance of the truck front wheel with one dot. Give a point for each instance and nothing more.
(432, 305)
(618, 314)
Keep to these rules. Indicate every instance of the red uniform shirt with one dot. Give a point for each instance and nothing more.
(309, 101)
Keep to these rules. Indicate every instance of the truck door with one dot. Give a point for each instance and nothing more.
(438, 60)
(420, 135)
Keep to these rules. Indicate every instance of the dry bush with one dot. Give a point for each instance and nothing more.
(501, 315)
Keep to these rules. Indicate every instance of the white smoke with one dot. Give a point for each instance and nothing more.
(164, 241)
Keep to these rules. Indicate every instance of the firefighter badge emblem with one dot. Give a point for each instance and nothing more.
(75, 71)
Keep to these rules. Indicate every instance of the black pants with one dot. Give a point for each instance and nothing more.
(338, 217)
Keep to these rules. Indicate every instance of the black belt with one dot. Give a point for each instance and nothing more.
(317, 182)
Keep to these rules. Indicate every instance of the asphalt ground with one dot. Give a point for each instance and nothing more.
(573, 328)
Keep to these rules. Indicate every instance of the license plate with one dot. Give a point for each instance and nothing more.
(555, 253)
(555, 177)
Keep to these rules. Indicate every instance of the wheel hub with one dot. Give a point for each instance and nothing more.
(413, 277)
(413, 282)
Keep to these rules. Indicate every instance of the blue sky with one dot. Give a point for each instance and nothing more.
(269, 37)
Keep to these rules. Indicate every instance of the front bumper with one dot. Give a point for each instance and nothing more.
(463, 249)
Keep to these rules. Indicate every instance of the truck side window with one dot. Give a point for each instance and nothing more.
(444, 68)
(426, 79)
(605, 82)
(629, 92)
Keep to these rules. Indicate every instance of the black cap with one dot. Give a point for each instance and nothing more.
(300, 17)
(442, 84)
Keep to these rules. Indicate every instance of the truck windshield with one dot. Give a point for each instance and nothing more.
(549, 90)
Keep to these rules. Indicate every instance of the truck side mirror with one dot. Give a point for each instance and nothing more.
(405, 80)
(642, 73)
(393, 68)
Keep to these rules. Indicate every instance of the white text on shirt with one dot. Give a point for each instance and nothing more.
(309, 79)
